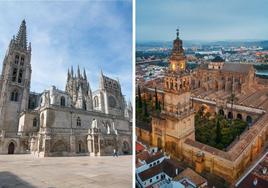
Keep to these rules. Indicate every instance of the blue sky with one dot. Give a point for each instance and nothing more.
(157, 20)
(91, 34)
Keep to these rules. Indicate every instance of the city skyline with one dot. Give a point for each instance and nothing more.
(201, 20)
(93, 35)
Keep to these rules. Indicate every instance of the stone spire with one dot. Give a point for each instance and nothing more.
(72, 71)
(85, 75)
(68, 74)
(78, 72)
(101, 80)
(21, 38)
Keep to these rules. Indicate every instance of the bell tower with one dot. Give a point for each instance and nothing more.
(175, 123)
(177, 61)
(15, 80)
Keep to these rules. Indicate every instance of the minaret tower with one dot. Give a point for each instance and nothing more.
(15, 80)
(175, 123)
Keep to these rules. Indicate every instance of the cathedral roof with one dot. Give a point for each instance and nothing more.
(235, 67)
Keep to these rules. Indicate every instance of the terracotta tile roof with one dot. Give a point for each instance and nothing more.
(144, 155)
(154, 157)
(139, 147)
(168, 166)
(151, 172)
(192, 176)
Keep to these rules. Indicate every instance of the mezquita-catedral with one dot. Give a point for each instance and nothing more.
(183, 92)
(77, 121)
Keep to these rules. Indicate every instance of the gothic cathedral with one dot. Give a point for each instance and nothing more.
(77, 121)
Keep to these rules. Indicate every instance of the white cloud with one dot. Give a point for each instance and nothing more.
(92, 34)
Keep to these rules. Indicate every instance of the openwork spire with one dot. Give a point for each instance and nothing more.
(21, 38)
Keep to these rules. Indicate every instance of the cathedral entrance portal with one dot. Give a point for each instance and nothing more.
(11, 148)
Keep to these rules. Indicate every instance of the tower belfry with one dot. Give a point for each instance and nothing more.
(15, 80)
(177, 61)
(177, 109)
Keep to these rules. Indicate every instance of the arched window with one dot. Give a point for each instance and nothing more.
(22, 61)
(14, 95)
(108, 126)
(96, 101)
(17, 59)
(230, 115)
(35, 122)
(14, 74)
(62, 101)
(78, 122)
(94, 123)
(249, 120)
(20, 76)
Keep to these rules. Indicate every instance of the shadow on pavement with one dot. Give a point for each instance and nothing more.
(9, 180)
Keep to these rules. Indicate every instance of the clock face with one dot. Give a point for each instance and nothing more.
(112, 101)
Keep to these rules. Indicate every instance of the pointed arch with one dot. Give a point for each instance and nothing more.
(14, 95)
(22, 60)
(78, 122)
(35, 122)
(62, 101)
(14, 74)
(11, 147)
(20, 76)
(96, 101)
(17, 57)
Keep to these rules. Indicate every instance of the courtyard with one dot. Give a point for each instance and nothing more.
(27, 171)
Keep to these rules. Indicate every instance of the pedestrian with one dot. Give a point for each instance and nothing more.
(114, 154)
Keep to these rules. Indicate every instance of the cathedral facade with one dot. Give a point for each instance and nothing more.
(77, 121)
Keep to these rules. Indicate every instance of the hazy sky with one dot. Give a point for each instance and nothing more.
(202, 19)
(91, 34)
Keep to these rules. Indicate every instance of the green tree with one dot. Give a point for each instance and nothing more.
(145, 110)
(218, 131)
(139, 98)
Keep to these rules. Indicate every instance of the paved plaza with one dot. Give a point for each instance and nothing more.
(55, 172)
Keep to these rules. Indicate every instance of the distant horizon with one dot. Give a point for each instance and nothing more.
(210, 20)
(200, 40)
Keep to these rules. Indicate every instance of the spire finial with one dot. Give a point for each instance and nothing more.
(21, 38)
(178, 32)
